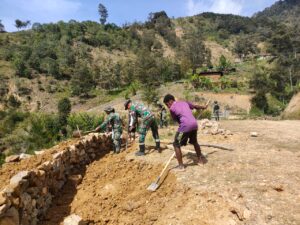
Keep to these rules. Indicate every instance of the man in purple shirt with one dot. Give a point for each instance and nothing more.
(181, 112)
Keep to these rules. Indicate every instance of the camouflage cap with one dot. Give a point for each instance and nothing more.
(109, 109)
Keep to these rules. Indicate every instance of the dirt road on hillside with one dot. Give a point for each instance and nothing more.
(257, 183)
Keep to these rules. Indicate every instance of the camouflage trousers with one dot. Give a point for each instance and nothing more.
(145, 126)
(117, 140)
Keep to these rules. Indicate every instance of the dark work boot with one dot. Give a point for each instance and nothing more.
(141, 152)
(157, 147)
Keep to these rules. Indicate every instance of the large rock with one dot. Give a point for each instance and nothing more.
(25, 156)
(3, 198)
(19, 177)
(12, 158)
(4, 208)
(73, 220)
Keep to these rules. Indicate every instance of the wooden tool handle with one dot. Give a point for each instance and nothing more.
(167, 164)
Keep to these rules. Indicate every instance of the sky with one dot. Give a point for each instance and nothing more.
(120, 11)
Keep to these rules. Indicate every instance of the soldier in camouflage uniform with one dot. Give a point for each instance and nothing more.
(113, 120)
(162, 116)
(132, 125)
(148, 121)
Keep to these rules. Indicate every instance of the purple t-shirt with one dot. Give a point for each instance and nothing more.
(182, 113)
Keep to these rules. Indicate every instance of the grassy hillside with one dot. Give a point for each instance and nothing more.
(91, 64)
(284, 11)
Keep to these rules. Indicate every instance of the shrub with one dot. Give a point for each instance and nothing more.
(31, 132)
(260, 102)
(84, 121)
(275, 107)
(42, 132)
(2, 158)
(205, 114)
(13, 102)
(255, 112)
(64, 109)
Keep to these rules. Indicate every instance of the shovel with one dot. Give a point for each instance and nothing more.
(154, 186)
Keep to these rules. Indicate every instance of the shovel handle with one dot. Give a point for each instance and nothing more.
(167, 164)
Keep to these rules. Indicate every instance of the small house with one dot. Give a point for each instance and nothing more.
(213, 75)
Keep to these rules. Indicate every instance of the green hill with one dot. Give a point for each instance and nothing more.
(92, 64)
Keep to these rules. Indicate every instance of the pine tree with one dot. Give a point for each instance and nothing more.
(103, 13)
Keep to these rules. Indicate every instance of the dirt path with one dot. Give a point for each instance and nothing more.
(257, 183)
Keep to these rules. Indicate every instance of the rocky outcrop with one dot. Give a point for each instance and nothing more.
(29, 194)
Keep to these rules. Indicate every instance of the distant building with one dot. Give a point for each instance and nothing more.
(213, 75)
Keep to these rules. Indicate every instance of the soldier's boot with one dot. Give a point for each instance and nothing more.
(141, 152)
(117, 150)
(157, 146)
(117, 147)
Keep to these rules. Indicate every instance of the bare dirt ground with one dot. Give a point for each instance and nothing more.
(8, 170)
(257, 183)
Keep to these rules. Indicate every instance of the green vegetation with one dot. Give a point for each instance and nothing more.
(29, 132)
(83, 60)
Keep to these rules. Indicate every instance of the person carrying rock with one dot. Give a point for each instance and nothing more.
(181, 111)
(216, 111)
(114, 121)
(148, 121)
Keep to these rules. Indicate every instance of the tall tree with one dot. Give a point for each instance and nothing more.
(2, 28)
(21, 24)
(103, 13)
(245, 46)
(82, 81)
(195, 51)
(64, 109)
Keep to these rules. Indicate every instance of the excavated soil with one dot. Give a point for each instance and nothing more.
(8, 170)
(113, 191)
(256, 184)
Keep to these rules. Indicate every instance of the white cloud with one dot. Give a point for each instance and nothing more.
(217, 6)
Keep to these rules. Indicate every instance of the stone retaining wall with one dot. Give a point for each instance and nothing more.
(29, 195)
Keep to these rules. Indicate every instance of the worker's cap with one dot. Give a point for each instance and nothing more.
(109, 109)
(127, 103)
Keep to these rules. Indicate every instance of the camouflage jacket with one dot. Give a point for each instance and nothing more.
(139, 110)
(113, 120)
(163, 113)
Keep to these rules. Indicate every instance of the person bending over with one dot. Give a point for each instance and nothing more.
(181, 111)
(114, 121)
(148, 121)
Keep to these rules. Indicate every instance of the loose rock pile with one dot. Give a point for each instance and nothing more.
(28, 196)
(212, 127)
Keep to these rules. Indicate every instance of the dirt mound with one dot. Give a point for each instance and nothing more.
(10, 169)
(257, 183)
(113, 191)
(293, 109)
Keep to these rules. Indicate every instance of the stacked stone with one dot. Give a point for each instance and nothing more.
(29, 195)
(212, 127)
